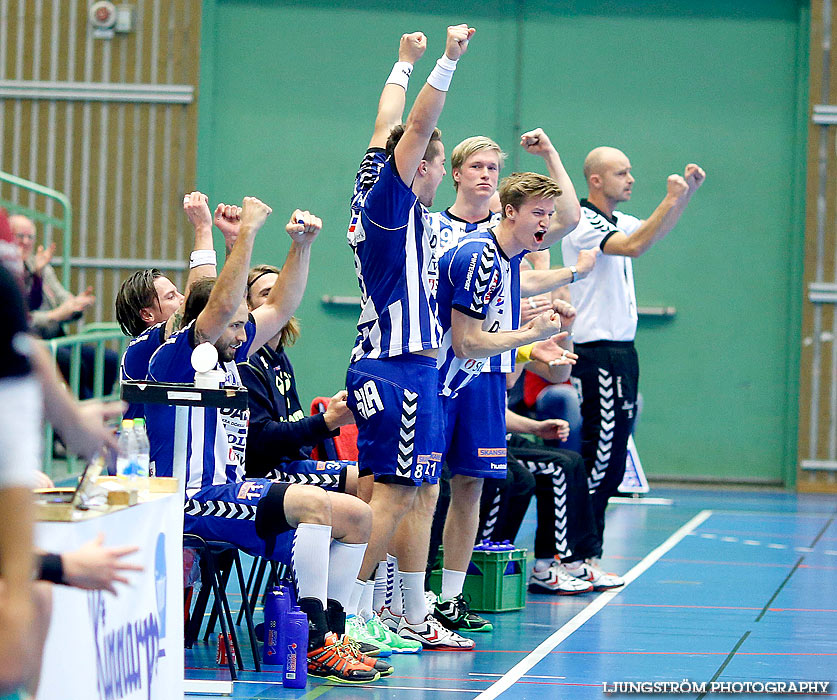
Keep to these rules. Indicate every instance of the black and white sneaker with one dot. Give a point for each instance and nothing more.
(433, 636)
(456, 615)
(557, 580)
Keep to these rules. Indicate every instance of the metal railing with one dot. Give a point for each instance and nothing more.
(64, 221)
(102, 337)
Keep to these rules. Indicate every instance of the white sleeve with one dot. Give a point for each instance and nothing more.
(21, 430)
(627, 223)
(585, 235)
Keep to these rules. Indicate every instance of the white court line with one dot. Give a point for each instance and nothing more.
(539, 653)
(500, 675)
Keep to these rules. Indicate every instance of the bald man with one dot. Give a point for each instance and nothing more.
(607, 370)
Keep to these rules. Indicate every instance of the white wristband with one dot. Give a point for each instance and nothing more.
(202, 257)
(400, 74)
(441, 74)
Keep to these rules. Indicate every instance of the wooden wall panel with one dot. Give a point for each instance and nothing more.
(817, 470)
(124, 165)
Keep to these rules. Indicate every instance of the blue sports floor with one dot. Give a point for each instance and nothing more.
(724, 586)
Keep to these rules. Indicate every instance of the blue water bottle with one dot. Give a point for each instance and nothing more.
(271, 653)
(295, 673)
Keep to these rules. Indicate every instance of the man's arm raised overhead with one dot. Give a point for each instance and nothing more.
(428, 105)
(286, 294)
(202, 261)
(567, 209)
(394, 94)
(228, 292)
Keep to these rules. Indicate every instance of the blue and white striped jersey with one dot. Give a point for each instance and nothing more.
(479, 280)
(216, 437)
(135, 362)
(395, 262)
(449, 228)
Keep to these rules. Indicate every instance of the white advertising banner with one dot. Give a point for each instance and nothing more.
(106, 647)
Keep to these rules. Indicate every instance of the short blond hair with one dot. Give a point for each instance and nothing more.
(469, 146)
(518, 188)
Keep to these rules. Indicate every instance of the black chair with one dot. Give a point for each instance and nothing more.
(217, 561)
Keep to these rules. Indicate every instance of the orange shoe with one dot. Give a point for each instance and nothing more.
(374, 664)
(336, 663)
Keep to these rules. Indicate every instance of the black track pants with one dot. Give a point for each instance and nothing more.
(606, 375)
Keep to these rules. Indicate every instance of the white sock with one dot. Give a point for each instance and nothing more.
(396, 603)
(381, 596)
(344, 562)
(366, 606)
(573, 565)
(543, 564)
(415, 604)
(452, 583)
(310, 552)
(354, 601)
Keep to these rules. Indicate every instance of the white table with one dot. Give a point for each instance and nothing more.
(130, 645)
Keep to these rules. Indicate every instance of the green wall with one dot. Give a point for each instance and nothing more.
(287, 98)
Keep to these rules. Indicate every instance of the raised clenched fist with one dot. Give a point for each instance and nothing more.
(303, 226)
(676, 186)
(536, 142)
(694, 176)
(412, 47)
(254, 213)
(457, 42)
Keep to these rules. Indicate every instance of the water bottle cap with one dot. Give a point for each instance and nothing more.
(139, 421)
(127, 424)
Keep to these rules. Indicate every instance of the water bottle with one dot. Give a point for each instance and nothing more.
(275, 607)
(126, 450)
(143, 447)
(295, 673)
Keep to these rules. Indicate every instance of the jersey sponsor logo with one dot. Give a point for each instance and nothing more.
(492, 285)
(472, 266)
(249, 490)
(473, 366)
(496, 467)
(491, 452)
(368, 399)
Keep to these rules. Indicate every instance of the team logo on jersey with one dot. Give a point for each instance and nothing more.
(491, 452)
(249, 490)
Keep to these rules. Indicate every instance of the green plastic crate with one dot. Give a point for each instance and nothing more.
(496, 581)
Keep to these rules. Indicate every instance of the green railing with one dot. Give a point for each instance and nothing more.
(101, 337)
(64, 221)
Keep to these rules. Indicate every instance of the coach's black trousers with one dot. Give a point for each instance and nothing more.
(606, 374)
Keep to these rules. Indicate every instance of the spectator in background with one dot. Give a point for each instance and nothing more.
(58, 307)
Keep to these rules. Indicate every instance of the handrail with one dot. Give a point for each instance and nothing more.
(99, 338)
(65, 222)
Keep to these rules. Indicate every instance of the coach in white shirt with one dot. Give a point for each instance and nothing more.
(607, 370)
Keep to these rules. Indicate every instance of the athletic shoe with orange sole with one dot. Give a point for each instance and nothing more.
(335, 662)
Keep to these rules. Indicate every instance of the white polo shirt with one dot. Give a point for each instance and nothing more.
(605, 299)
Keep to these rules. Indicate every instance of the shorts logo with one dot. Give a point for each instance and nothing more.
(249, 490)
(496, 466)
(491, 452)
(427, 459)
(368, 399)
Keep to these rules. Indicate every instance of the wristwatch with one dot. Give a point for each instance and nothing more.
(574, 270)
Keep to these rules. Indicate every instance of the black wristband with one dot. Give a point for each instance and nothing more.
(51, 568)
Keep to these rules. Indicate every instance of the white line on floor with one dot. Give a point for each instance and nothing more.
(500, 675)
(539, 653)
